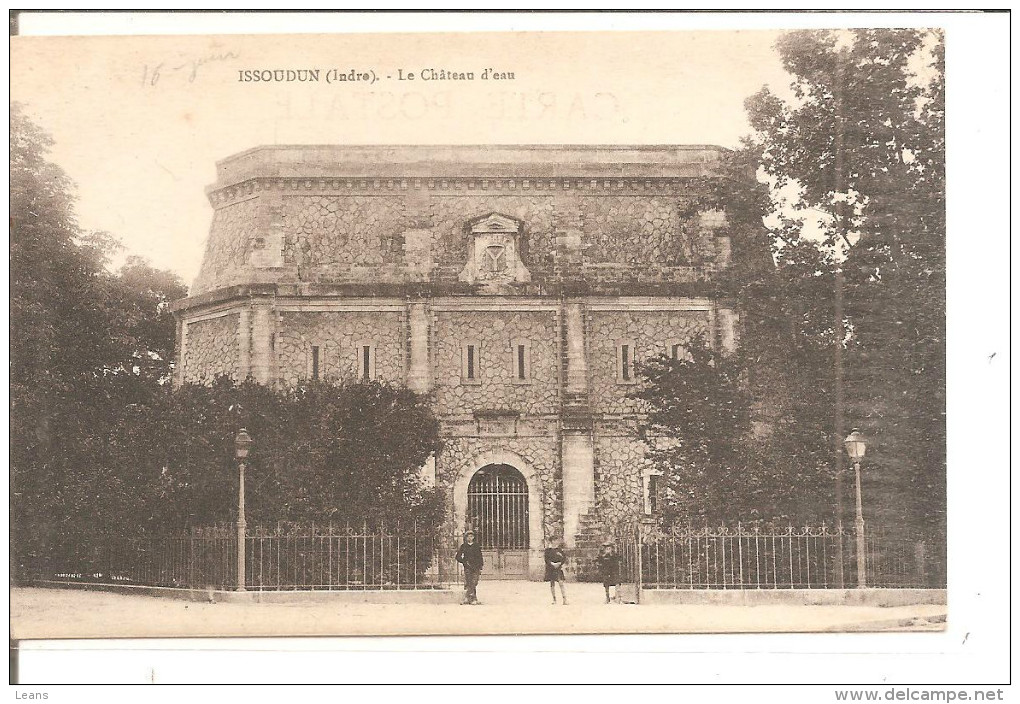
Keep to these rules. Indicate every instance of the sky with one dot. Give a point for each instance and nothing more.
(139, 122)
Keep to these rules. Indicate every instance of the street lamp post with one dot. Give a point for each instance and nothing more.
(242, 442)
(855, 447)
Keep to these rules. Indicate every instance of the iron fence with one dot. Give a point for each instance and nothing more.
(296, 556)
(286, 556)
(292, 556)
(202, 558)
(771, 558)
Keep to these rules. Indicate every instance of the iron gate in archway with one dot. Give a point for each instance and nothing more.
(497, 509)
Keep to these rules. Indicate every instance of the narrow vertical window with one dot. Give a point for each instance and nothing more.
(520, 361)
(626, 360)
(364, 360)
(675, 348)
(470, 362)
(315, 362)
(655, 493)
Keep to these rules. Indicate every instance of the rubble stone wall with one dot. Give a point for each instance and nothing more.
(228, 245)
(337, 335)
(627, 229)
(619, 472)
(329, 234)
(359, 237)
(497, 389)
(212, 349)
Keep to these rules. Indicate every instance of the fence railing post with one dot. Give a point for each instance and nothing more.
(919, 560)
(639, 578)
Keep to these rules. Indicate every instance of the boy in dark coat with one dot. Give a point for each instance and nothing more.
(555, 559)
(609, 569)
(470, 555)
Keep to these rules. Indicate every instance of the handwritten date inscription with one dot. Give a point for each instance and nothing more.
(189, 67)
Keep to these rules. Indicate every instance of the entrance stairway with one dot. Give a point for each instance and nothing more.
(590, 534)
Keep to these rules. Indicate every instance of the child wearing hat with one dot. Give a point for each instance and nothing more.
(470, 555)
(555, 559)
(609, 570)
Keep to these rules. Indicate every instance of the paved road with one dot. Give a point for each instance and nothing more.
(508, 608)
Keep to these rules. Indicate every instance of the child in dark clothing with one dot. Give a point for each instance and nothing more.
(555, 559)
(609, 570)
(470, 555)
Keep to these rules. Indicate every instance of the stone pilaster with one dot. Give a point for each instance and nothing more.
(577, 363)
(577, 454)
(262, 366)
(729, 335)
(418, 377)
(179, 369)
(578, 463)
(244, 344)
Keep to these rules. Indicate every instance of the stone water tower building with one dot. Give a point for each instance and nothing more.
(518, 285)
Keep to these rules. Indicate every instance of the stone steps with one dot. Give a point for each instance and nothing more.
(590, 535)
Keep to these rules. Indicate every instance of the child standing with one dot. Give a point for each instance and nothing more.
(555, 559)
(609, 569)
(470, 555)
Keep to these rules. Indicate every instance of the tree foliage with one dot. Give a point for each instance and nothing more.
(166, 462)
(70, 317)
(875, 99)
(320, 452)
(756, 406)
(707, 435)
(699, 415)
(853, 172)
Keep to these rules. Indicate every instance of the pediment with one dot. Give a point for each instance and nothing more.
(494, 222)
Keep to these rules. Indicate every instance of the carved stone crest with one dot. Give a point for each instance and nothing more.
(494, 258)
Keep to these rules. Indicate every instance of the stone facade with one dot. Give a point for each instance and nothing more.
(497, 388)
(212, 348)
(340, 337)
(620, 471)
(518, 286)
(334, 233)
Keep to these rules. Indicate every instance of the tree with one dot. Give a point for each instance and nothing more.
(101, 442)
(859, 149)
(87, 346)
(321, 452)
(862, 143)
(707, 437)
(699, 415)
(145, 333)
(756, 406)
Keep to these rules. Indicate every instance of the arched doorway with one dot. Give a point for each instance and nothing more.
(497, 509)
